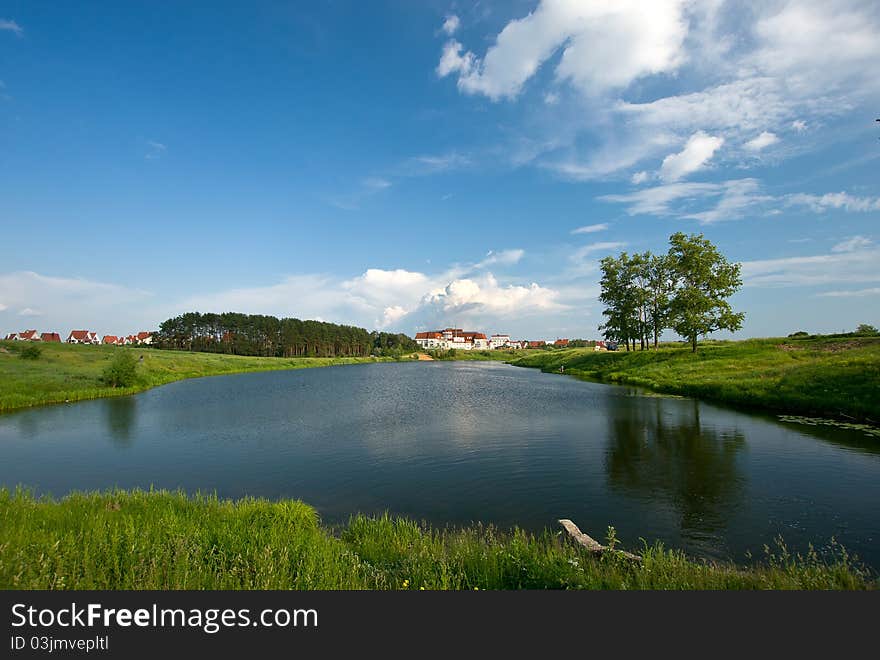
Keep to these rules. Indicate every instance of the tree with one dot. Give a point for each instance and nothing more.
(866, 330)
(661, 285)
(618, 295)
(704, 280)
(122, 370)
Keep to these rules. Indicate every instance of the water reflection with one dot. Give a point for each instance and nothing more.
(659, 449)
(120, 416)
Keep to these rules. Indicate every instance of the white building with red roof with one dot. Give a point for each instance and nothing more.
(83, 337)
(452, 338)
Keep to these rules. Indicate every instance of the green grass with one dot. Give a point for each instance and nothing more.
(161, 540)
(826, 376)
(66, 372)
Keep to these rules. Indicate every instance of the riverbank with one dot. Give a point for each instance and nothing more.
(160, 540)
(824, 376)
(65, 372)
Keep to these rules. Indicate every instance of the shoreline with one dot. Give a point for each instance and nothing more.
(73, 372)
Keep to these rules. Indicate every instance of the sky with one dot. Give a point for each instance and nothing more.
(408, 166)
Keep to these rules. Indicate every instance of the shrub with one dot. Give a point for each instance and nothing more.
(31, 353)
(866, 330)
(799, 333)
(122, 370)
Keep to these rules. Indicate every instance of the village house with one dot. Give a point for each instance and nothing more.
(83, 337)
(499, 341)
(110, 339)
(537, 344)
(51, 337)
(452, 338)
(561, 343)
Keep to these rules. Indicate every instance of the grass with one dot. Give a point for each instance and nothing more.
(65, 372)
(162, 540)
(823, 376)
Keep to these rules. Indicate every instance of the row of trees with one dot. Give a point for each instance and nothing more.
(255, 334)
(684, 290)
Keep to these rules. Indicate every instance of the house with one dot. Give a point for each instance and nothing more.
(28, 335)
(499, 341)
(83, 337)
(537, 344)
(113, 340)
(144, 338)
(51, 336)
(452, 338)
(561, 343)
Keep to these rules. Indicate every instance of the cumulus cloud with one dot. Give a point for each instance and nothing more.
(742, 74)
(762, 141)
(601, 45)
(698, 150)
(639, 177)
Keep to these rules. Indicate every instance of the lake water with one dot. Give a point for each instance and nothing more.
(454, 442)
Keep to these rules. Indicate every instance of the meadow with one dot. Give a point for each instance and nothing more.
(66, 372)
(162, 540)
(835, 377)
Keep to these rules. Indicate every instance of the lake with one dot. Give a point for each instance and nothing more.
(455, 442)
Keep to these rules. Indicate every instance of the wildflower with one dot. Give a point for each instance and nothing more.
(405, 584)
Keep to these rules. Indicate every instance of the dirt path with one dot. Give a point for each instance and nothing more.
(423, 357)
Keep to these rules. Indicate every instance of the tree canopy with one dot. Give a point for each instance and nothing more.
(685, 290)
(255, 334)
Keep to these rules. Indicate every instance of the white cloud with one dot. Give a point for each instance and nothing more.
(155, 150)
(697, 152)
(855, 266)
(65, 302)
(839, 200)
(658, 200)
(585, 251)
(799, 125)
(764, 140)
(391, 315)
(376, 183)
(11, 26)
(451, 24)
(551, 98)
(738, 196)
(3, 307)
(504, 258)
(590, 229)
(858, 293)
(639, 178)
(853, 244)
(603, 46)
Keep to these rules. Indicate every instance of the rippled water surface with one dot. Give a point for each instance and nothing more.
(457, 442)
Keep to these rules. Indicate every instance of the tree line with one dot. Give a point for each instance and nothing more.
(268, 336)
(684, 290)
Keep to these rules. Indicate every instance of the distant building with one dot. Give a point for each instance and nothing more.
(452, 338)
(561, 342)
(50, 336)
(28, 335)
(144, 338)
(112, 340)
(83, 337)
(537, 344)
(499, 341)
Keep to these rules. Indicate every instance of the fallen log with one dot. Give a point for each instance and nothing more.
(592, 544)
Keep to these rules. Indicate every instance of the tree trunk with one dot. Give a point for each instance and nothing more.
(693, 344)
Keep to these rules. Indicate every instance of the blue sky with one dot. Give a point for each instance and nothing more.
(405, 166)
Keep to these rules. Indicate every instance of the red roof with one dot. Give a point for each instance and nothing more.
(30, 335)
(79, 335)
(561, 342)
(429, 335)
(50, 336)
(109, 339)
(143, 335)
(536, 344)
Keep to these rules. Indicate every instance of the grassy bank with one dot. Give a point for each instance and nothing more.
(159, 540)
(478, 356)
(65, 372)
(824, 376)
